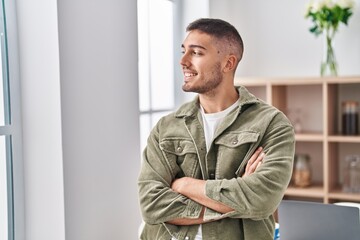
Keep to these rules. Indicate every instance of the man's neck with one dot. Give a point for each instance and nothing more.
(217, 102)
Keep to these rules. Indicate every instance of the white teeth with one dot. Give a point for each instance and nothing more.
(190, 74)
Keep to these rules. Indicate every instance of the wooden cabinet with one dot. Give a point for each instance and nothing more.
(314, 107)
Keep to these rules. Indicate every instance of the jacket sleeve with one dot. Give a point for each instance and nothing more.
(158, 202)
(258, 195)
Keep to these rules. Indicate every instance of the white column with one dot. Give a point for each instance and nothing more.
(99, 97)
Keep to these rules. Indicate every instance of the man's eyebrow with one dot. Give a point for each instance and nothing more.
(194, 46)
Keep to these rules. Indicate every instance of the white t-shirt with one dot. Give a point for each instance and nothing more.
(211, 122)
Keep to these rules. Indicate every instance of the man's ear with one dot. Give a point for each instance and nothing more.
(230, 63)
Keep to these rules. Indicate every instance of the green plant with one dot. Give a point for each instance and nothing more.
(328, 14)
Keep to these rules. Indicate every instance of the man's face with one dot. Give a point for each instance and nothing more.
(201, 63)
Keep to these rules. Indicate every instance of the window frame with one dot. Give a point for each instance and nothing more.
(13, 124)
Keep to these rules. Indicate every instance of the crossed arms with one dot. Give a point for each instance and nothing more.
(187, 201)
(194, 189)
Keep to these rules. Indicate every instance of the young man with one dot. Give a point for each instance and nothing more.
(200, 176)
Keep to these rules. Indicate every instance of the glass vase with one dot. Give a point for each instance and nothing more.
(328, 63)
(302, 171)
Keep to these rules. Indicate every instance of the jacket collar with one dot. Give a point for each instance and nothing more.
(191, 108)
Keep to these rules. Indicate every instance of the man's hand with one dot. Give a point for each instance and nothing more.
(254, 162)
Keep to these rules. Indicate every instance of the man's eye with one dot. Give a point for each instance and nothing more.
(195, 53)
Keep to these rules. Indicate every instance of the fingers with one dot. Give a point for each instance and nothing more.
(254, 162)
(254, 165)
(254, 157)
(258, 165)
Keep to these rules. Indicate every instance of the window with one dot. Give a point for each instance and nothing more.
(3, 191)
(156, 62)
(5, 147)
(5, 140)
(11, 201)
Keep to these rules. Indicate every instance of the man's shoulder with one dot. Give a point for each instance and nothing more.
(187, 109)
(265, 112)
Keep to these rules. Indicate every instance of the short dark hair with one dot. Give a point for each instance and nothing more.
(221, 30)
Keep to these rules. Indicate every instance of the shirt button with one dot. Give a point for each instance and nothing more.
(212, 175)
(187, 238)
(235, 141)
(179, 149)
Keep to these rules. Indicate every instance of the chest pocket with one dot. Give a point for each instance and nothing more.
(181, 157)
(232, 148)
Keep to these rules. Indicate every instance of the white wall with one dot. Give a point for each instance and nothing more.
(278, 43)
(99, 96)
(81, 144)
(42, 150)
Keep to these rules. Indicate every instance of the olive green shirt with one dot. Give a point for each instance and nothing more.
(176, 148)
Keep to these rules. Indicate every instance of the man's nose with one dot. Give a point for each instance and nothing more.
(184, 60)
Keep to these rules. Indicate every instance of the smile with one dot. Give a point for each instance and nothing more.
(187, 74)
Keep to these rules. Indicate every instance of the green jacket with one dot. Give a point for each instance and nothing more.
(176, 148)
